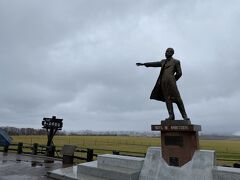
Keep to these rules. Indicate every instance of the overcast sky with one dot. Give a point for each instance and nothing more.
(76, 60)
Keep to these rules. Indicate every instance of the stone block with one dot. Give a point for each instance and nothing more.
(107, 172)
(68, 150)
(120, 161)
(226, 173)
(70, 173)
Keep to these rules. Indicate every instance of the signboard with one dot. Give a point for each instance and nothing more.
(175, 128)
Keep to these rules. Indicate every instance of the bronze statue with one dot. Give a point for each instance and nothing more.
(166, 87)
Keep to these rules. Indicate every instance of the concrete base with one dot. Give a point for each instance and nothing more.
(128, 162)
(70, 173)
(154, 167)
(108, 167)
(226, 173)
(113, 167)
(199, 168)
(107, 172)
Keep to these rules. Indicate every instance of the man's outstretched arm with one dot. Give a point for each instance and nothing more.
(151, 64)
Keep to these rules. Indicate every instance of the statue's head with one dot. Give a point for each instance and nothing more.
(169, 52)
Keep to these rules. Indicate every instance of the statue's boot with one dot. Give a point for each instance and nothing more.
(182, 110)
(169, 105)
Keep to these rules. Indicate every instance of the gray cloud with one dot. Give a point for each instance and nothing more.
(77, 60)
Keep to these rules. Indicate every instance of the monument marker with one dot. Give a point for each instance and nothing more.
(178, 157)
(179, 138)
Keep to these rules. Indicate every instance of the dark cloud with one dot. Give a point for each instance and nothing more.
(77, 60)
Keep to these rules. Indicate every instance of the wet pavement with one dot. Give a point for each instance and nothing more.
(23, 167)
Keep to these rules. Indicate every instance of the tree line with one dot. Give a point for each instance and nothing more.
(27, 131)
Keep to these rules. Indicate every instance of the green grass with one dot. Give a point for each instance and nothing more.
(227, 151)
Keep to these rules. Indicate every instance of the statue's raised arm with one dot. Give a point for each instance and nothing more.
(140, 64)
(151, 64)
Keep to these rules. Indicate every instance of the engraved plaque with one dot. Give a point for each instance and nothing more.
(174, 141)
(173, 161)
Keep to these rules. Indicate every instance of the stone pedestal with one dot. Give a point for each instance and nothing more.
(199, 168)
(179, 141)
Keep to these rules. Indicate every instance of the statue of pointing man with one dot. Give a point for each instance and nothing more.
(165, 88)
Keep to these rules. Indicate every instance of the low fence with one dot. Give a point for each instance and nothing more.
(90, 154)
(84, 154)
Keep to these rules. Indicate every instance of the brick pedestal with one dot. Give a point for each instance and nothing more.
(179, 140)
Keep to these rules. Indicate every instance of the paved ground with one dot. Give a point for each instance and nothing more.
(23, 167)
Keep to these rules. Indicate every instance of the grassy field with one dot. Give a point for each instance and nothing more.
(227, 151)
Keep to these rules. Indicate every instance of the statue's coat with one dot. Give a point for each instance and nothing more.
(166, 86)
